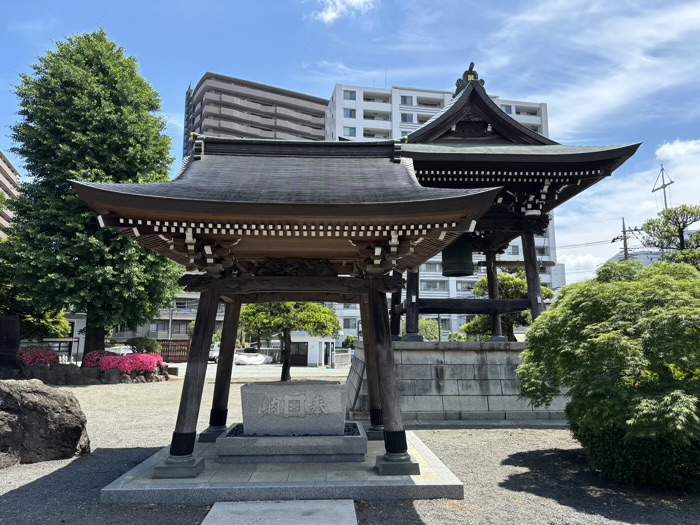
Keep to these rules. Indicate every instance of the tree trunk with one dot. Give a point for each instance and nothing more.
(286, 356)
(94, 337)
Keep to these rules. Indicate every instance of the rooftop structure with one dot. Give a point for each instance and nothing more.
(9, 189)
(223, 106)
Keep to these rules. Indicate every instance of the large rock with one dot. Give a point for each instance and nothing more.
(111, 376)
(43, 373)
(66, 374)
(40, 423)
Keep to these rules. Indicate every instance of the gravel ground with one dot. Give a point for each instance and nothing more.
(511, 476)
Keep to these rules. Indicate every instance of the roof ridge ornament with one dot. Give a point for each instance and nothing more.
(467, 77)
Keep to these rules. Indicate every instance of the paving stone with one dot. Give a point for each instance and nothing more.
(337, 512)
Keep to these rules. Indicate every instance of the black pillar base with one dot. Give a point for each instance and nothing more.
(375, 417)
(182, 443)
(413, 337)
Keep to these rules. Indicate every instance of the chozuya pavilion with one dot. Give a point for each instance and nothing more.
(267, 220)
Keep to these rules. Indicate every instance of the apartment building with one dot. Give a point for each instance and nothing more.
(9, 189)
(223, 106)
(363, 113)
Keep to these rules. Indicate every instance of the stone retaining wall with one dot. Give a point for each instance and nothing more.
(459, 381)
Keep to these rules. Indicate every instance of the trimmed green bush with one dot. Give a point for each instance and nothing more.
(626, 348)
(144, 345)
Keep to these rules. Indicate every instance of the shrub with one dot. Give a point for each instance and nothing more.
(626, 347)
(132, 363)
(93, 359)
(349, 341)
(37, 355)
(144, 345)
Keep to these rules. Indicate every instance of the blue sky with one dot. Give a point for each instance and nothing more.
(611, 72)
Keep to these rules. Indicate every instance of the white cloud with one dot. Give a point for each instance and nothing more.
(595, 216)
(598, 59)
(332, 10)
(175, 121)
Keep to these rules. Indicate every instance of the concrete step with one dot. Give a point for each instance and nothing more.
(301, 512)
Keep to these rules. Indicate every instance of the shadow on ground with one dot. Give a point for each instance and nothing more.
(71, 495)
(564, 476)
(385, 512)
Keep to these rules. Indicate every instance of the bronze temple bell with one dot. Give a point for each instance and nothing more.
(457, 258)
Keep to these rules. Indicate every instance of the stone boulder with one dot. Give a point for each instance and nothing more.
(43, 373)
(67, 374)
(90, 373)
(40, 423)
(111, 376)
(125, 378)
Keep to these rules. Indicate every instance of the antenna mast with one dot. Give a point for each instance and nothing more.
(662, 175)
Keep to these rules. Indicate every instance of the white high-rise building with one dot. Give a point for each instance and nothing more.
(364, 113)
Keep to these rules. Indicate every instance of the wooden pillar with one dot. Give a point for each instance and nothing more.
(370, 346)
(534, 288)
(492, 279)
(412, 295)
(224, 367)
(396, 461)
(181, 463)
(394, 318)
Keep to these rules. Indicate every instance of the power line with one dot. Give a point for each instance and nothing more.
(584, 244)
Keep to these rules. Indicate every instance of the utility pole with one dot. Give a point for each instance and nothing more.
(626, 232)
(662, 175)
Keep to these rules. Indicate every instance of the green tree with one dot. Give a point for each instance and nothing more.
(428, 328)
(36, 321)
(350, 341)
(510, 286)
(284, 318)
(627, 351)
(86, 114)
(670, 230)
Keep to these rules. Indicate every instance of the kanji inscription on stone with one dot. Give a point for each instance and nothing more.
(271, 406)
(316, 406)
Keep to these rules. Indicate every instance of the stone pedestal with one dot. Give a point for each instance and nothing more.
(294, 408)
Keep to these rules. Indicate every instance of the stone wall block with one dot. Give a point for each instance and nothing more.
(423, 357)
(508, 403)
(421, 403)
(456, 372)
(460, 357)
(510, 387)
(407, 387)
(415, 371)
(447, 387)
(483, 387)
(465, 403)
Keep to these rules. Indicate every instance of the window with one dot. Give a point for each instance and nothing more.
(434, 267)
(405, 133)
(406, 101)
(350, 132)
(433, 286)
(180, 327)
(507, 108)
(349, 305)
(407, 118)
(349, 95)
(514, 250)
(446, 324)
(350, 323)
(349, 113)
(541, 250)
(465, 286)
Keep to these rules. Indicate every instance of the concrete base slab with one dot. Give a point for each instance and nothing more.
(375, 435)
(190, 468)
(234, 448)
(397, 468)
(338, 512)
(210, 435)
(286, 481)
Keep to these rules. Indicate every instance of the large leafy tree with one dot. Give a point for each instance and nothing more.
(626, 348)
(36, 321)
(86, 114)
(284, 318)
(510, 286)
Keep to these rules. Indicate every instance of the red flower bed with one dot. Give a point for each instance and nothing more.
(36, 355)
(132, 363)
(93, 359)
